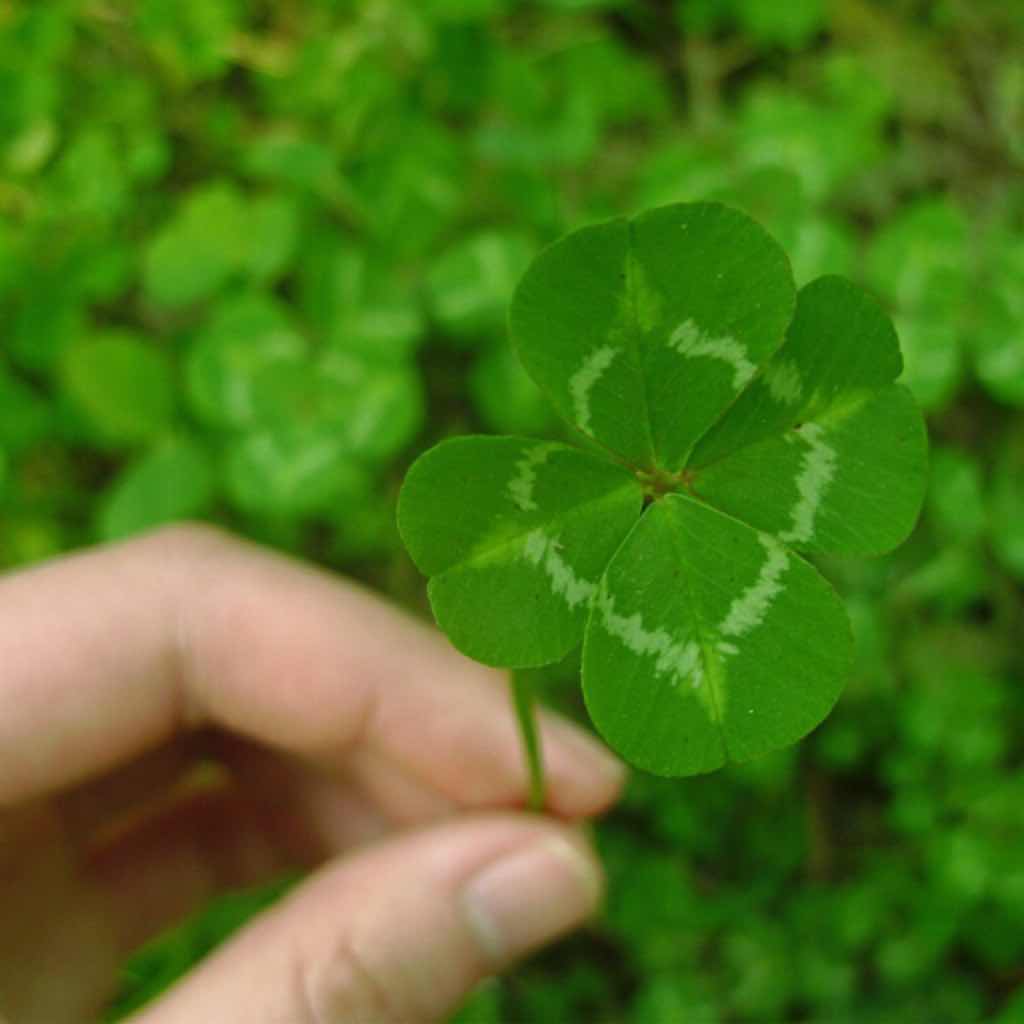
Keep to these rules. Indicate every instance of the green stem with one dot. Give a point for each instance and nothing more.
(522, 697)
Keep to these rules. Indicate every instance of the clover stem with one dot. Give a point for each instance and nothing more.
(523, 698)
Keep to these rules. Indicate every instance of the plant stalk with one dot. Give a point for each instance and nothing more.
(526, 716)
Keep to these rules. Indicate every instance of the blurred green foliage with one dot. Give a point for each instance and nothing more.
(255, 255)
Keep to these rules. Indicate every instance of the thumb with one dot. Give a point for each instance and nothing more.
(398, 934)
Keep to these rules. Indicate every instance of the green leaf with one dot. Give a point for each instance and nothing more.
(997, 338)
(358, 302)
(791, 24)
(49, 313)
(89, 180)
(191, 38)
(610, 329)
(504, 396)
(292, 471)
(933, 362)
(25, 417)
(292, 160)
(848, 481)
(468, 10)
(684, 170)
(372, 407)
(708, 641)
(825, 143)
(245, 337)
(956, 505)
(822, 450)
(1006, 504)
(545, 120)
(198, 251)
(470, 285)
(806, 377)
(218, 234)
(123, 387)
(172, 482)
(918, 260)
(273, 233)
(514, 534)
(379, 406)
(411, 186)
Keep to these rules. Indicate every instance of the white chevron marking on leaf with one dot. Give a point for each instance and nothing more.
(545, 552)
(748, 610)
(817, 470)
(690, 341)
(680, 660)
(520, 487)
(582, 382)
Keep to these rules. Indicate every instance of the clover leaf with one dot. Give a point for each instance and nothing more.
(738, 425)
(514, 533)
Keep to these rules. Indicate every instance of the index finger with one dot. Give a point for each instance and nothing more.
(110, 652)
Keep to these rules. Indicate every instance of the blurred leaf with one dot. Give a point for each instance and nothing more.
(245, 336)
(1007, 505)
(792, 24)
(292, 471)
(471, 284)
(293, 160)
(171, 482)
(123, 387)
(372, 408)
(410, 186)
(273, 235)
(932, 358)
(997, 336)
(825, 145)
(192, 38)
(956, 506)
(687, 170)
(920, 261)
(48, 315)
(540, 121)
(504, 396)
(464, 9)
(951, 581)
(25, 416)
(196, 252)
(379, 406)
(89, 181)
(358, 302)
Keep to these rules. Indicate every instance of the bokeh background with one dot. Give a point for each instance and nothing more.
(255, 256)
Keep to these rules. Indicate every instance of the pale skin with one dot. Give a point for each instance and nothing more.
(336, 733)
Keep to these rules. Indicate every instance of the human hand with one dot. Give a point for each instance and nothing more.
(349, 736)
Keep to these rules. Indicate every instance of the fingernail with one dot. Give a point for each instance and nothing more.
(531, 896)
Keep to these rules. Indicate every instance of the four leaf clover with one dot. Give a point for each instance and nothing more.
(731, 426)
